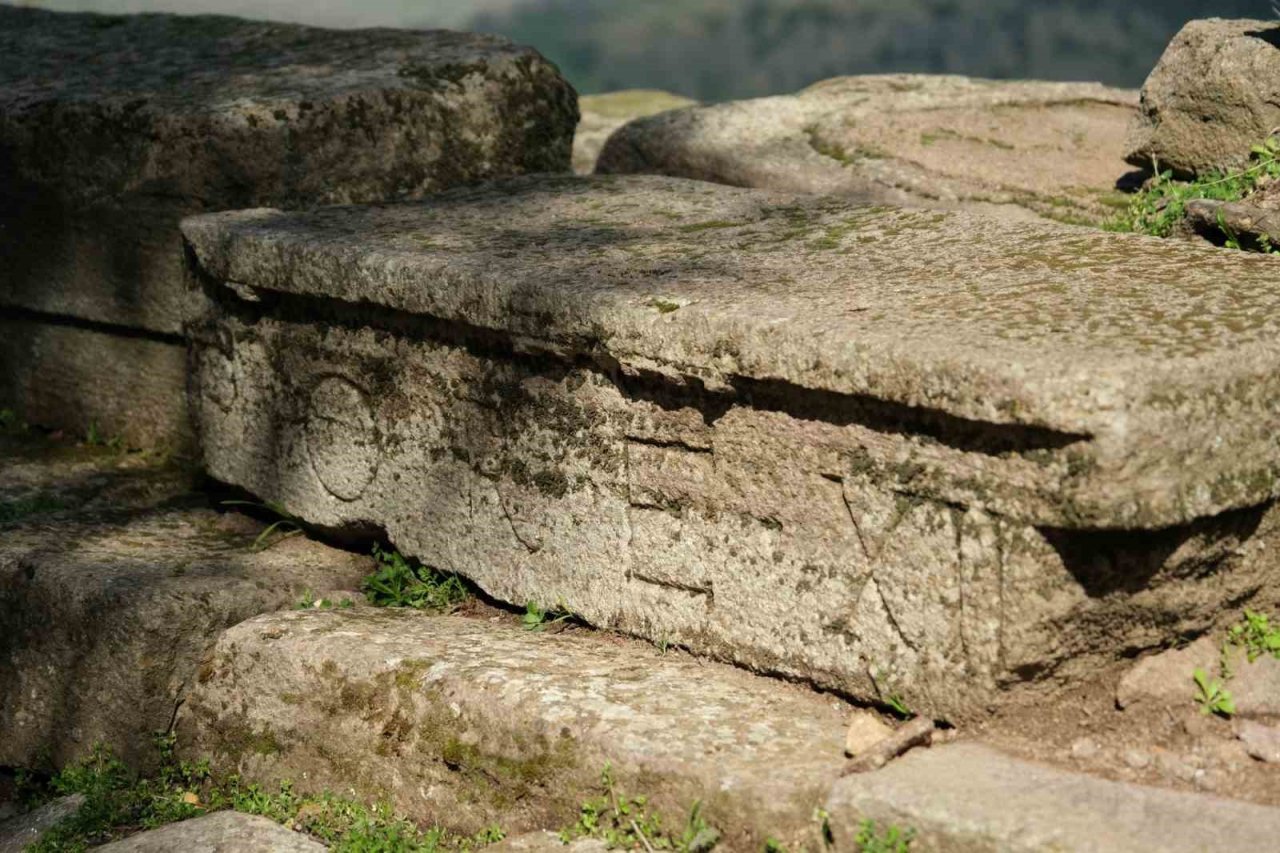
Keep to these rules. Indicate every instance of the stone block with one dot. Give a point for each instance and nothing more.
(887, 451)
(464, 723)
(1013, 148)
(603, 114)
(223, 832)
(114, 580)
(967, 798)
(114, 127)
(126, 387)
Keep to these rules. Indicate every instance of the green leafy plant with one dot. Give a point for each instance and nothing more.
(119, 802)
(286, 524)
(95, 438)
(310, 602)
(894, 839)
(37, 505)
(535, 618)
(1212, 695)
(397, 582)
(1158, 207)
(626, 822)
(1256, 635)
(899, 706)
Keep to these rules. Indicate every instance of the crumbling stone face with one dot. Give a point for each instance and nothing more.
(643, 401)
(114, 127)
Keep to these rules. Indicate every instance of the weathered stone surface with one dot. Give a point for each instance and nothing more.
(130, 388)
(462, 722)
(1214, 93)
(113, 582)
(112, 128)
(766, 427)
(603, 114)
(547, 842)
(965, 798)
(1166, 678)
(17, 833)
(1262, 741)
(1016, 148)
(223, 832)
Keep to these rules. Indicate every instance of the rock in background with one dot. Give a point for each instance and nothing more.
(1013, 148)
(1214, 93)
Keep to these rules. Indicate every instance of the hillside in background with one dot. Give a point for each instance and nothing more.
(718, 49)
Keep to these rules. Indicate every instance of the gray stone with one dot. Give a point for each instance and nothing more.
(603, 114)
(769, 428)
(114, 581)
(1261, 741)
(547, 842)
(122, 387)
(463, 722)
(112, 128)
(966, 798)
(1214, 93)
(222, 832)
(1166, 678)
(1019, 149)
(17, 833)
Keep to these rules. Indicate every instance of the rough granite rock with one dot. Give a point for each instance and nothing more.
(603, 114)
(767, 427)
(121, 387)
(114, 580)
(18, 833)
(1013, 148)
(547, 842)
(222, 832)
(1214, 93)
(463, 722)
(114, 127)
(1166, 678)
(966, 798)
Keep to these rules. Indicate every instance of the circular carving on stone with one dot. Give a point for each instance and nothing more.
(342, 439)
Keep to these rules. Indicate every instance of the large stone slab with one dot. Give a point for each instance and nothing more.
(223, 832)
(1018, 149)
(114, 580)
(464, 723)
(83, 380)
(19, 833)
(966, 798)
(113, 127)
(1214, 94)
(889, 451)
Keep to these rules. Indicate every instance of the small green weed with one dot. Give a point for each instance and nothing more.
(11, 424)
(1256, 635)
(94, 437)
(1161, 205)
(1212, 695)
(536, 618)
(286, 524)
(626, 822)
(894, 839)
(899, 706)
(399, 583)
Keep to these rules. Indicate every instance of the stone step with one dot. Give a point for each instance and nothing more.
(160, 116)
(913, 139)
(770, 428)
(222, 832)
(78, 379)
(466, 723)
(968, 797)
(115, 578)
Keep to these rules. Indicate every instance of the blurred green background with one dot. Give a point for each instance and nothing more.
(719, 49)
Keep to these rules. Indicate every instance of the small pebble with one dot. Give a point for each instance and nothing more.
(1085, 749)
(1137, 759)
(1260, 741)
